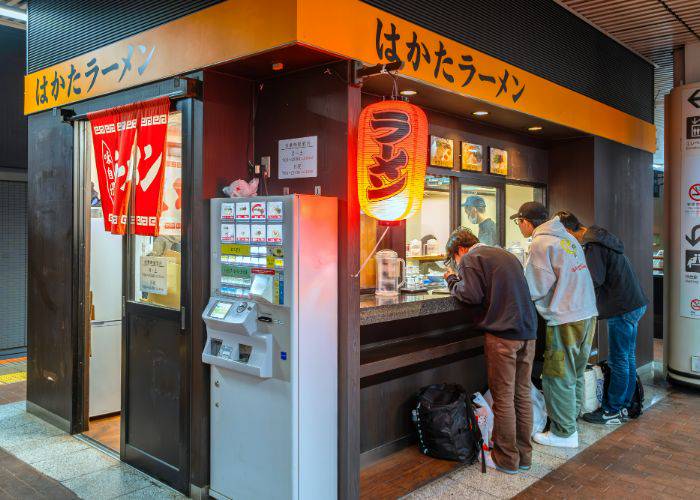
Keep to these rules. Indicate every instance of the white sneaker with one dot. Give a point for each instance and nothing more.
(550, 439)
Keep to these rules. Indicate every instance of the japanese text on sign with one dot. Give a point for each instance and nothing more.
(297, 157)
(391, 46)
(154, 275)
(80, 81)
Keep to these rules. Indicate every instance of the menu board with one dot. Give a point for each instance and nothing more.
(258, 210)
(228, 211)
(228, 232)
(252, 235)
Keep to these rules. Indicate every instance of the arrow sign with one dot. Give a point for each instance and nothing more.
(694, 241)
(694, 99)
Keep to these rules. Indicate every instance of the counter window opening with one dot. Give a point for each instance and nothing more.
(480, 203)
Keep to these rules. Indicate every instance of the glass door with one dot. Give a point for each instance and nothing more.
(155, 394)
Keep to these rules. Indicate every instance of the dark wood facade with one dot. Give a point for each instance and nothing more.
(610, 184)
(13, 123)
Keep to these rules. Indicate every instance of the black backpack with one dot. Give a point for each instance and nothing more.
(635, 408)
(446, 425)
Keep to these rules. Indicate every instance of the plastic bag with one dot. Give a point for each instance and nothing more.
(539, 408)
(484, 417)
(592, 389)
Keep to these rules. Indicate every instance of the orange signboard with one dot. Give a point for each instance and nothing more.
(349, 28)
(357, 30)
(210, 36)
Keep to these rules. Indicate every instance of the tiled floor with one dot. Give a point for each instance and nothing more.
(469, 482)
(13, 370)
(71, 462)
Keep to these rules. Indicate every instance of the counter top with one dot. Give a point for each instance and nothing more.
(374, 309)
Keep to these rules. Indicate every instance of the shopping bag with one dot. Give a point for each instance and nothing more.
(539, 410)
(484, 417)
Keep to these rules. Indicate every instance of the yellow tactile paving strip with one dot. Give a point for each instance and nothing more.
(11, 378)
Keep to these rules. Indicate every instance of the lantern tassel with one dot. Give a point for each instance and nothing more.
(371, 254)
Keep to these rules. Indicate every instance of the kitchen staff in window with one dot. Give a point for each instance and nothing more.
(475, 209)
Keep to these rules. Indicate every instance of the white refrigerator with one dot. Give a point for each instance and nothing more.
(106, 326)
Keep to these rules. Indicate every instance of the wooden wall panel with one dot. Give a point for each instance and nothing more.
(50, 303)
(13, 123)
(623, 201)
(609, 184)
(571, 177)
(320, 103)
(228, 115)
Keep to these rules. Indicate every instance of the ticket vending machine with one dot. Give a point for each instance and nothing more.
(272, 345)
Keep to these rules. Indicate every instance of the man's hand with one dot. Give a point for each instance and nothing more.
(449, 272)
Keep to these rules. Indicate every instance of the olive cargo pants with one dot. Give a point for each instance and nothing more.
(509, 368)
(566, 354)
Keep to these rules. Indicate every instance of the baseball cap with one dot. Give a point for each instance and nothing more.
(474, 201)
(531, 211)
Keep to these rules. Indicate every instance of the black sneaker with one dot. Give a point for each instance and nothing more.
(601, 416)
(624, 414)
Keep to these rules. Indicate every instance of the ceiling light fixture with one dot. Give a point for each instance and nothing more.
(480, 113)
(408, 92)
(11, 13)
(536, 128)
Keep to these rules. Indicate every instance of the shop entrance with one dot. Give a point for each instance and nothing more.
(136, 341)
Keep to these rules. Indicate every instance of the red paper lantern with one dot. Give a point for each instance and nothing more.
(392, 155)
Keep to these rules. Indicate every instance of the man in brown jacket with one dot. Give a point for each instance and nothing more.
(493, 278)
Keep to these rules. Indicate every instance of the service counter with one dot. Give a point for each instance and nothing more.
(408, 342)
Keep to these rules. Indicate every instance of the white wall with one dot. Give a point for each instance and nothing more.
(434, 218)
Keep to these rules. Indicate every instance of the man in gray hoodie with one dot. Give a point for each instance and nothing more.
(561, 287)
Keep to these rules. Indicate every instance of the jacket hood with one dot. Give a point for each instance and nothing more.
(600, 236)
(552, 227)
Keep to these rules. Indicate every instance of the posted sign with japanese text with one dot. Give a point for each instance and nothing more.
(689, 293)
(298, 158)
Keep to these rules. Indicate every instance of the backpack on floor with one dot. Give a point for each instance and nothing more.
(446, 425)
(636, 406)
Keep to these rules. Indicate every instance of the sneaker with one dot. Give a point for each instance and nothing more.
(550, 439)
(624, 414)
(492, 464)
(525, 467)
(603, 417)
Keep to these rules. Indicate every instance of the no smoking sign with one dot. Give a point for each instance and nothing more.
(694, 192)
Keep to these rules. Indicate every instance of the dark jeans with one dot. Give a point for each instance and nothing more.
(622, 359)
(509, 367)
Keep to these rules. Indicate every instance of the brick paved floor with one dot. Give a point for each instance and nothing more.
(656, 456)
(11, 393)
(19, 480)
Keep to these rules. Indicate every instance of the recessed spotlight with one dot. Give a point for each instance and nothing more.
(408, 92)
(536, 128)
(277, 66)
(480, 113)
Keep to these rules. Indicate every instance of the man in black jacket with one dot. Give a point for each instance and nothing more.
(493, 278)
(622, 302)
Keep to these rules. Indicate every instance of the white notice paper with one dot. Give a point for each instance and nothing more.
(154, 275)
(298, 158)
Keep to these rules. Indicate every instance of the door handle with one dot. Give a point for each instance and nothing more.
(183, 319)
